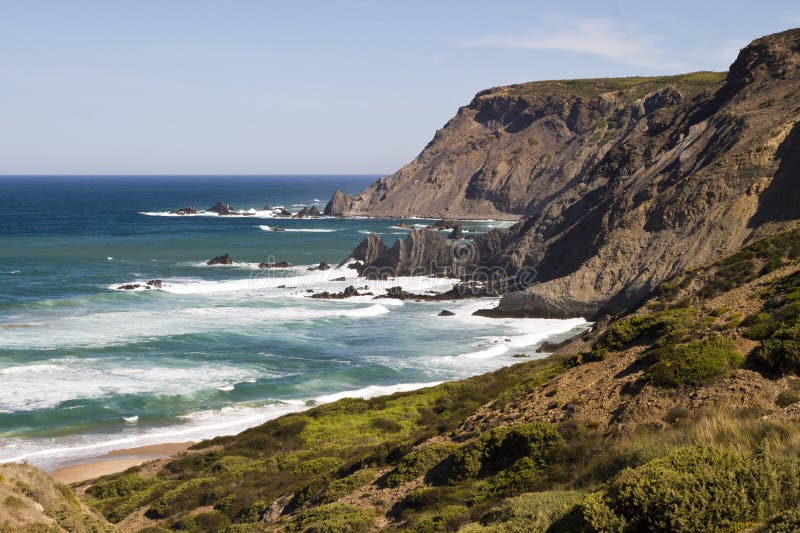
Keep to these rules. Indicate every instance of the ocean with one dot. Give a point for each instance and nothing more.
(86, 368)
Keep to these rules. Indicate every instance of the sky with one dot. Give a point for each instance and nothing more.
(303, 87)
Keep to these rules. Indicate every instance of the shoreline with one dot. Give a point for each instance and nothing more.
(116, 461)
(111, 461)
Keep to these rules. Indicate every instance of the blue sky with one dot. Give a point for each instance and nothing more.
(312, 87)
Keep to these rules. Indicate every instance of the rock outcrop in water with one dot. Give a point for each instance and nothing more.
(621, 183)
(339, 203)
(308, 212)
(220, 260)
(423, 252)
(222, 209)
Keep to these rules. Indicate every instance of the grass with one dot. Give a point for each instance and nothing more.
(638, 85)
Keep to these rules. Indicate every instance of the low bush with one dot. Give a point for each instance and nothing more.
(695, 363)
(501, 447)
(416, 463)
(334, 518)
(787, 397)
(666, 324)
(209, 522)
(532, 512)
(697, 489)
(120, 486)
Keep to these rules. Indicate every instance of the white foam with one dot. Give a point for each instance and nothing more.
(373, 391)
(12, 272)
(297, 230)
(130, 419)
(245, 213)
(52, 453)
(493, 351)
(113, 328)
(69, 378)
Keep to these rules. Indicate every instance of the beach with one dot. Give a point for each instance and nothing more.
(117, 461)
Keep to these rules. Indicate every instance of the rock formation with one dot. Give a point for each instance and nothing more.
(620, 183)
(308, 212)
(220, 260)
(339, 203)
(222, 209)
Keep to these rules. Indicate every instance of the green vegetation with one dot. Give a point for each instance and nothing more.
(695, 363)
(684, 489)
(318, 456)
(757, 259)
(479, 456)
(638, 85)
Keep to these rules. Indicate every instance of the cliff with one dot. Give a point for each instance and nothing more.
(621, 183)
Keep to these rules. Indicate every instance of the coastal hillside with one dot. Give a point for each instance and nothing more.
(32, 501)
(679, 416)
(621, 183)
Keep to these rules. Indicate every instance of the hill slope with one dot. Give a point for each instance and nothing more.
(622, 182)
(680, 416)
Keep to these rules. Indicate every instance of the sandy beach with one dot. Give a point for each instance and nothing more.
(117, 461)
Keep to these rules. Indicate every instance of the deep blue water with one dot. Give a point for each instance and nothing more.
(85, 367)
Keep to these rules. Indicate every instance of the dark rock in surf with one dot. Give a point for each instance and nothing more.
(308, 212)
(457, 233)
(445, 312)
(222, 209)
(220, 260)
(185, 211)
(279, 264)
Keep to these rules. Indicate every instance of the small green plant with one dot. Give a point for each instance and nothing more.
(695, 363)
(787, 397)
(532, 141)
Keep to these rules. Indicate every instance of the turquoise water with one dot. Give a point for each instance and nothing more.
(85, 368)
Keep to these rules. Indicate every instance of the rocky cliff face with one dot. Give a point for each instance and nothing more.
(621, 182)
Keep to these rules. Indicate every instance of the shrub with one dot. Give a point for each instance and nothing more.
(599, 517)
(696, 363)
(787, 397)
(209, 522)
(416, 463)
(785, 522)
(669, 323)
(781, 352)
(384, 423)
(699, 489)
(317, 466)
(120, 486)
(501, 447)
(333, 518)
(536, 511)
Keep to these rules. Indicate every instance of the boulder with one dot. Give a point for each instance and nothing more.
(222, 209)
(220, 260)
(155, 284)
(279, 264)
(338, 204)
(457, 233)
(281, 212)
(445, 312)
(185, 211)
(444, 224)
(129, 286)
(348, 292)
(308, 212)
(322, 266)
